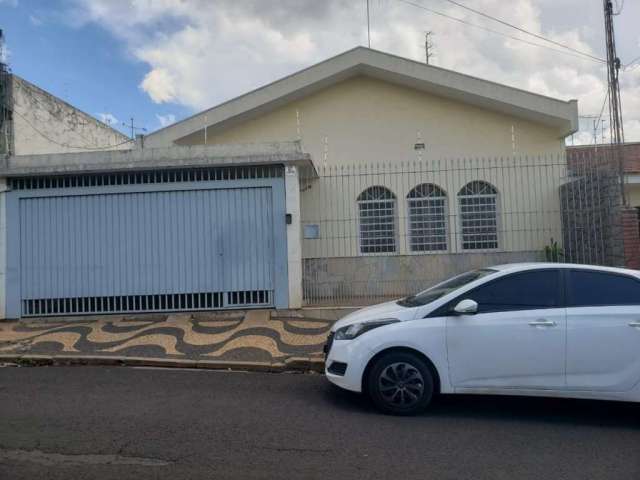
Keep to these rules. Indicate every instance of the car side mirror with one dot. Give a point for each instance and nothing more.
(466, 307)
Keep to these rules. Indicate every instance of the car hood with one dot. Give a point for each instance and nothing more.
(376, 312)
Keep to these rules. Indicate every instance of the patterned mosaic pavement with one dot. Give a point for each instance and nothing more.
(254, 336)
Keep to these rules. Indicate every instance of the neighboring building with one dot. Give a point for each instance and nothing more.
(602, 215)
(32, 122)
(364, 173)
(630, 154)
(40, 123)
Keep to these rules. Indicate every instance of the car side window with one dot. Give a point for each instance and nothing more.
(588, 288)
(528, 290)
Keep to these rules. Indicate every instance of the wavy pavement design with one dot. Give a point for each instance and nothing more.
(255, 336)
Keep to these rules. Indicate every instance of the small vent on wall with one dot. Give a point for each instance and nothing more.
(146, 177)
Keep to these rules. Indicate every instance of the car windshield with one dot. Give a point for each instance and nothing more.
(441, 289)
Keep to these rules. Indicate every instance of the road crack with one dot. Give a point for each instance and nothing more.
(52, 459)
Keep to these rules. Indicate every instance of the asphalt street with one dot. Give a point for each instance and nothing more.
(120, 422)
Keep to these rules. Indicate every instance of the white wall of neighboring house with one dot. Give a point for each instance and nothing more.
(43, 123)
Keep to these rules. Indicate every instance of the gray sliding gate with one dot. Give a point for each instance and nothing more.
(93, 245)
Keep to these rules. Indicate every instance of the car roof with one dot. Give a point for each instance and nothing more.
(515, 267)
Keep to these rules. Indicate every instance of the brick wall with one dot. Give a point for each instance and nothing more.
(631, 238)
(630, 152)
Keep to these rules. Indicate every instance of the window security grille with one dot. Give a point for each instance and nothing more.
(478, 216)
(146, 177)
(427, 207)
(376, 207)
(145, 303)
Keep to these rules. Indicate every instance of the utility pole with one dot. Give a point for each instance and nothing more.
(133, 128)
(3, 60)
(6, 126)
(616, 128)
(428, 46)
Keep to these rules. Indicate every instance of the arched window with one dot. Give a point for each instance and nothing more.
(377, 209)
(478, 203)
(427, 207)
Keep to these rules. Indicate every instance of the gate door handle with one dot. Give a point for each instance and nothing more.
(543, 323)
(635, 324)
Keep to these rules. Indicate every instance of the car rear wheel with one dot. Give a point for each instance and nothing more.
(400, 383)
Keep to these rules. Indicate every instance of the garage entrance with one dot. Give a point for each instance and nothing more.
(147, 242)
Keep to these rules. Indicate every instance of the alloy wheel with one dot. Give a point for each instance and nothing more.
(401, 385)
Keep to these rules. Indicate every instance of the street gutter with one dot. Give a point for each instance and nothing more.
(292, 364)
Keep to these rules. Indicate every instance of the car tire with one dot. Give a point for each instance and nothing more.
(400, 383)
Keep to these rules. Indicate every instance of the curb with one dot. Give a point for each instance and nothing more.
(292, 364)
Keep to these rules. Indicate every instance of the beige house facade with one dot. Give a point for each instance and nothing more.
(373, 121)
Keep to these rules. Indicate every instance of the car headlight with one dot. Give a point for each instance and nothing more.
(355, 330)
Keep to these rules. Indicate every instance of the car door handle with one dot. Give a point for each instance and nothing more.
(635, 324)
(543, 323)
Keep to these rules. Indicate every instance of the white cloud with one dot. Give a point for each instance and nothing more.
(161, 85)
(166, 120)
(202, 52)
(108, 118)
(35, 20)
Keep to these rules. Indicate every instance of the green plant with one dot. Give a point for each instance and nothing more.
(553, 252)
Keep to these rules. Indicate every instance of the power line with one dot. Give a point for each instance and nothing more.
(520, 29)
(460, 20)
(635, 60)
(65, 145)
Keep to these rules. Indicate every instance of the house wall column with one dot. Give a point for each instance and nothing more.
(294, 233)
(631, 238)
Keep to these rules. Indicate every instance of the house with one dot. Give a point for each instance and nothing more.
(37, 122)
(366, 175)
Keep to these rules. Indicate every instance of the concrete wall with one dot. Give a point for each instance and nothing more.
(43, 123)
(362, 280)
(294, 229)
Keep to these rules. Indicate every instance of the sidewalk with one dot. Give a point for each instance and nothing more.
(264, 340)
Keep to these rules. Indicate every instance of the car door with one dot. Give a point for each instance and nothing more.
(603, 331)
(517, 337)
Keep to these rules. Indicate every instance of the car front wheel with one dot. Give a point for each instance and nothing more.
(400, 383)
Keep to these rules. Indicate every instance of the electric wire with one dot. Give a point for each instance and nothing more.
(66, 145)
(460, 20)
(520, 29)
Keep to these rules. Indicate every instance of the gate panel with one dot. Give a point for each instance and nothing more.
(147, 251)
(246, 240)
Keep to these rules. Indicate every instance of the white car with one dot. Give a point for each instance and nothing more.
(543, 329)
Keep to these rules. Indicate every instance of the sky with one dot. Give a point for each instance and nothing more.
(159, 61)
